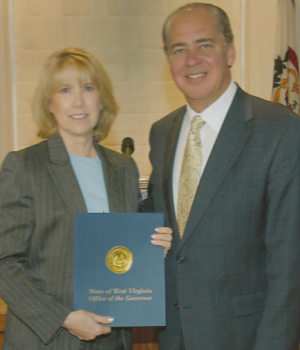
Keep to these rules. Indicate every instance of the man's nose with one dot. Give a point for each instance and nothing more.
(193, 57)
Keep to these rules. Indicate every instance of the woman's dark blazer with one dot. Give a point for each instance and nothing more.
(39, 195)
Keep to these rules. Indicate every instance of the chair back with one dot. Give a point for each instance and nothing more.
(3, 309)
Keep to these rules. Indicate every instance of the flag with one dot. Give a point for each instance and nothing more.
(286, 63)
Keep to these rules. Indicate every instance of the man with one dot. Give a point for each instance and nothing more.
(226, 173)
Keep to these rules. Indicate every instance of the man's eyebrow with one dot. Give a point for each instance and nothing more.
(203, 40)
(198, 41)
(177, 45)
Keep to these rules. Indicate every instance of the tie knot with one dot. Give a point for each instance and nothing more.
(197, 123)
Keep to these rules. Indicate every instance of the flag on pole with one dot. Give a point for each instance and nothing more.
(286, 65)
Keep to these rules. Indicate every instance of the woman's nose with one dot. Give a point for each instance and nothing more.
(78, 98)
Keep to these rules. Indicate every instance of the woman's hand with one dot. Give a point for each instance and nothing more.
(162, 238)
(85, 325)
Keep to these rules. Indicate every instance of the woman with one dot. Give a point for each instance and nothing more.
(41, 187)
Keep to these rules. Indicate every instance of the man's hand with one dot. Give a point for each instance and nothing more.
(85, 325)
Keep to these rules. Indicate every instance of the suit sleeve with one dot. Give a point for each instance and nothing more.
(279, 326)
(25, 296)
(133, 197)
(147, 205)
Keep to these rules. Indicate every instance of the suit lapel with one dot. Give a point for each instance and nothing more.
(65, 179)
(114, 180)
(171, 142)
(229, 144)
(63, 175)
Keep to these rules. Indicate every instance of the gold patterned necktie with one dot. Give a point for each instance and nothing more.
(190, 173)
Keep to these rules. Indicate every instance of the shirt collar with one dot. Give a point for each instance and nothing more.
(215, 114)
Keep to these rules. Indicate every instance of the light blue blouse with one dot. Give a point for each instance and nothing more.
(89, 174)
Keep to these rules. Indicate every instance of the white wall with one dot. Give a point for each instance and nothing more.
(126, 37)
(6, 126)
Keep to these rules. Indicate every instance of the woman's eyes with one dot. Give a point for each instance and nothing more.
(86, 88)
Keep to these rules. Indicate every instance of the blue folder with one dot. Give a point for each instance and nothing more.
(135, 295)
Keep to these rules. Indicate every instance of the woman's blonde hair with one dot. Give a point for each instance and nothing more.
(85, 64)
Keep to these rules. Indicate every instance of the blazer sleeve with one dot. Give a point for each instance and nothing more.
(147, 205)
(133, 193)
(25, 296)
(280, 323)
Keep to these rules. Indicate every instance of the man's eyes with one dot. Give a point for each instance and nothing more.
(205, 46)
(179, 51)
(183, 50)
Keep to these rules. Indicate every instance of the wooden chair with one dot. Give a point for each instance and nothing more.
(145, 338)
(3, 309)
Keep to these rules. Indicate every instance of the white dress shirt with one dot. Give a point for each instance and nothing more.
(214, 117)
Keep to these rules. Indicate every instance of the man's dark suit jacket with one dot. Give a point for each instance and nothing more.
(39, 195)
(233, 281)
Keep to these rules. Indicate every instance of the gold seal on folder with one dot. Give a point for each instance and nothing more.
(119, 260)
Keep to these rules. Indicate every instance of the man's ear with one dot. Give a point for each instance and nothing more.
(230, 55)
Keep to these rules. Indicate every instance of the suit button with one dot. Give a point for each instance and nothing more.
(176, 306)
(180, 259)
